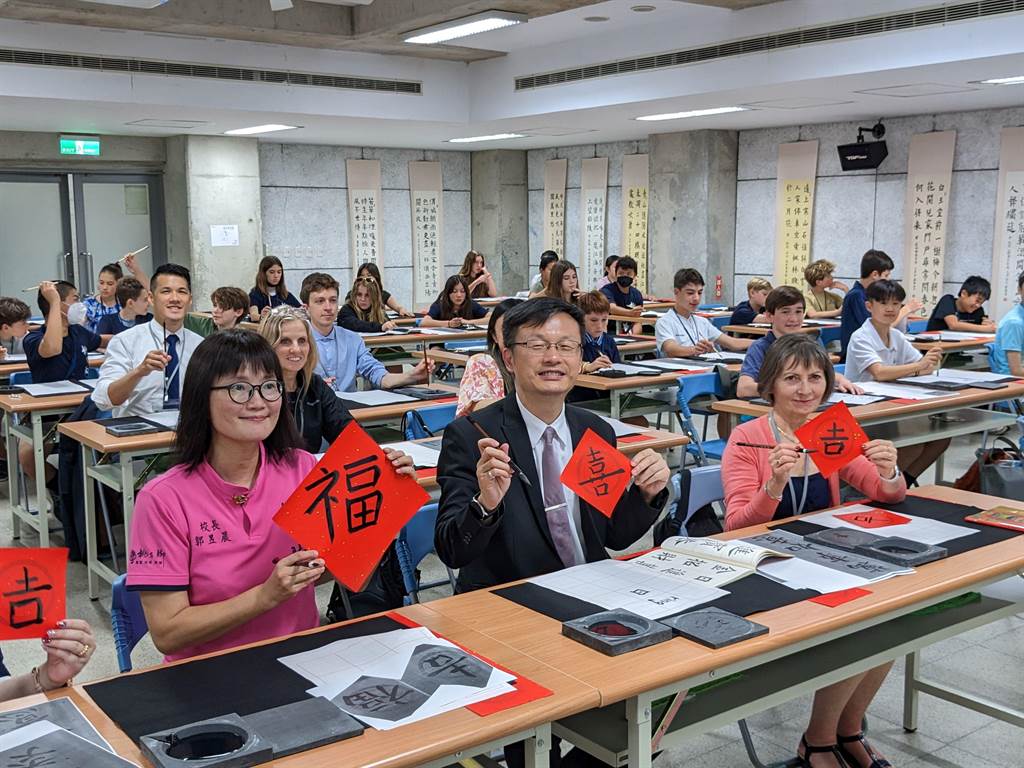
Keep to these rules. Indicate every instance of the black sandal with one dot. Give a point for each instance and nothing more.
(833, 749)
(876, 761)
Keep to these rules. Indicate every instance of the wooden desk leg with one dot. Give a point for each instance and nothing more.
(638, 724)
(89, 499)
(538, 747)
(13, 494)
(39, 457)
(910, 672)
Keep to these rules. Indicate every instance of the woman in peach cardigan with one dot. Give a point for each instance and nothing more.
(772, 484)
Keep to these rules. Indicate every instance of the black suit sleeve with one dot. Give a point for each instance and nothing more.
(459, 536)
(334, 416)
(347, 318)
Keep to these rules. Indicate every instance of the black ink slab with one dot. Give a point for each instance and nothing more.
(895, 549)
(303, 725)
(616, 632)
(159, 747)
(714, 627)
(846, 539)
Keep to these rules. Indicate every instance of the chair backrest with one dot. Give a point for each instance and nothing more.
(128, 622)
(695, 385)
(917, 326)
(705, 487)
(21, 377)
(840, 368)
(427, 422)
(415, 541)
(92, 373)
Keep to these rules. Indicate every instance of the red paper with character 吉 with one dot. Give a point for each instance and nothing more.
(835, 437)
(32, 591)
(597, 472)
(351, 506)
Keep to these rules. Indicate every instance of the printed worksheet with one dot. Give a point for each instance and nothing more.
(901, 391)
(672, 364)
(422, 455)
(885, 523)
(961, 376)
(44, 744)
(867, 569)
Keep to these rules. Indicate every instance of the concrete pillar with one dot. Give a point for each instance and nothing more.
(692, 213)
(500, 209)
(213, 180)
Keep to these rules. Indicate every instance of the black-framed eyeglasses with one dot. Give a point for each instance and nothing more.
(538, 347)
(241, 392)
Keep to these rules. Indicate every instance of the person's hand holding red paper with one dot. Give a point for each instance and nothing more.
(352, 505)
(835, 438)
(599, 473)
(32, 591)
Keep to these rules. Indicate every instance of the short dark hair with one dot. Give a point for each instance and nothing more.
(225, 354)
(230, 297)
(492, 338)
(875, 261)
(687, 276)
(609, 260)
(783, 296)
(128, 288)
(176, 270)
(885, 291)
(1020, 281)
(315, 282)
(546, 258)
(626, 262)
(64, 289)
(976, 285)
(794, 349)
(113, 269)
(534, 313)
(13, 310)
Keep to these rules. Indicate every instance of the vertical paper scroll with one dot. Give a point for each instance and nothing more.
(1008, 243)
(794, 193)
(364, 211)
(554, 206)
(594, 183)
(634, 214)
(425, 192)
(929, 172)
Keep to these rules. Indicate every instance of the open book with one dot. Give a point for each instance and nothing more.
(711, 562)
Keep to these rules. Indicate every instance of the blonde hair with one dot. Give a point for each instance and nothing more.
(758, 284)
(376, 313)
(271, 326)
(818, 270)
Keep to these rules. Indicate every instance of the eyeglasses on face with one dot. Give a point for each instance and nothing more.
(538, 347)
(241, 392)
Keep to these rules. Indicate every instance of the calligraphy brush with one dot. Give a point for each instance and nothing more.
(133, 253)
(769, 447)
(512, 464)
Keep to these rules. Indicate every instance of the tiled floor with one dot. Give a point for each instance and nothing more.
(988, 661)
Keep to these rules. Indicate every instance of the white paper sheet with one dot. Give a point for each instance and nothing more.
(85, 752)
(740, 552)
(11, 357)
(441, 331)
(631, 370)
(668, 364)
(622, 429)
(800, 574)
(54, 388)
(689, 568)
(902, 391)
(843, 397)
(58, 713)
(961, 376)
(724, 357)
(964, 336)
(920, 529)
(868, 569)
(164, 418)
(422, 455)
(376, 397)
(822, 323)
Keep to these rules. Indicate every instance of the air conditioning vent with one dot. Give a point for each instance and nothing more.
(926, 17)
(205, 71)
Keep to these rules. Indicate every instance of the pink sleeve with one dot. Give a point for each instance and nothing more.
(863, 475)
(744, 473)
(159, 552)
(481, 381)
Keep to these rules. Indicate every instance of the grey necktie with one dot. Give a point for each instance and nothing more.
(554, 501)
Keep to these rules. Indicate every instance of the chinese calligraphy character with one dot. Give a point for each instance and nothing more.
(34, 614)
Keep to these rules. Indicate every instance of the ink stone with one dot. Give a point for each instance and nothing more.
(221, 742)
(616, 632)
(900, 551)
(846, 539)
(714, 627)
(302, 725)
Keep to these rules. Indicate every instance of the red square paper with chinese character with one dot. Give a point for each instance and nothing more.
(835, 437)
(873, 518)
(32, 591)
(351, 506)
(597, 473)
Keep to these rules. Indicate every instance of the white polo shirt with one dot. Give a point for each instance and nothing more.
(867, 348)
(687, 331)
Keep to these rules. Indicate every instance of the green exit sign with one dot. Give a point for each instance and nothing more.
(80, 145)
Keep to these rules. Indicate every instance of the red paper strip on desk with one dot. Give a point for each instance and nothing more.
(598, 473)
(835, 599)
(32, 591)
(835, 437)
(351, 506)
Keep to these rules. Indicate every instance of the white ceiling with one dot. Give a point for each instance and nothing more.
(858, 79)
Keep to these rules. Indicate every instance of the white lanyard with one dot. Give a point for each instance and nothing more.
(789, 482)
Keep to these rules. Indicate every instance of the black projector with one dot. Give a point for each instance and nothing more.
(862, 155)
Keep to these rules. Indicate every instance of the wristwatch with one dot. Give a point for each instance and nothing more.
(481, 512)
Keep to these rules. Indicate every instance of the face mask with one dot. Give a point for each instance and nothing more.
(77, 313)
(625, 281)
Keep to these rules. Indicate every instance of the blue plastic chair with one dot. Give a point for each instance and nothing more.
(828, 335)
(691, 387)
(21, 377)
(917, 326)
(128, 622)
(705, 488)
(427, 422)
(840, 368)
(415, 541)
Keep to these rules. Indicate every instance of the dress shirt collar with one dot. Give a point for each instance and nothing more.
(324, 337)
(535, 427)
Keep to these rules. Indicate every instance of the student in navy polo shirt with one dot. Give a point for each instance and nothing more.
(133, 297)
(874, 265)
(626, 300)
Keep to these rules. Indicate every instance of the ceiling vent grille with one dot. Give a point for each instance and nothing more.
(205, 71)
(926, 17)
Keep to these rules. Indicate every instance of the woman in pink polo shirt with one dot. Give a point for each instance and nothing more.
(773, 484)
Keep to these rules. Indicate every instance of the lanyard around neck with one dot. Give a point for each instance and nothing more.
(797, 510)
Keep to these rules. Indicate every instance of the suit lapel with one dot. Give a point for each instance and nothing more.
(514, 430)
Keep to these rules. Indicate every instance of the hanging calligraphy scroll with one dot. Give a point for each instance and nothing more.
(794, 210)
(634, 215)
(364, 211)
(926, 215)
(1008, 243)
(594, 181)
(554, 206)
(426, 196)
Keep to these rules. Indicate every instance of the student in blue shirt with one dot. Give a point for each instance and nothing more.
(342, 353)
(133, 297)
(626, 300)
(752, 309)
(1008, 349)
(874, 265)
(599, 350)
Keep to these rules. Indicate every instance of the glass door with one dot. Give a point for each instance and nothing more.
(35, 233)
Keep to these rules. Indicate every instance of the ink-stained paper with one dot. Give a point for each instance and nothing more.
(351, 506)
(32, 591)
(597, 472)
(425, 193)
(364, 214)
(635, 183)
(554, 206)
(926, 215)
(593, 210)
(835, 437)
(1008, 243)
(794, 210)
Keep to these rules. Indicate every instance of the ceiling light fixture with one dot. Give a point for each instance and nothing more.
(1016, 80)
(492, 137)
(643, 8)
(260, 129)
(693, 113)
(596, 19)
(467, 25)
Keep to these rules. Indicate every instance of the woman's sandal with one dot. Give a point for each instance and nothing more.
(833, 749)
(876, 761)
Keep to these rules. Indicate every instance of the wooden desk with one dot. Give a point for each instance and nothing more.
(382, 414)
(946, 347)
(629, 345)
(753, 330)
(643, 676)
(415, 339)
(6, 369)
(36, 409)
(437, 741)
(619, 389)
